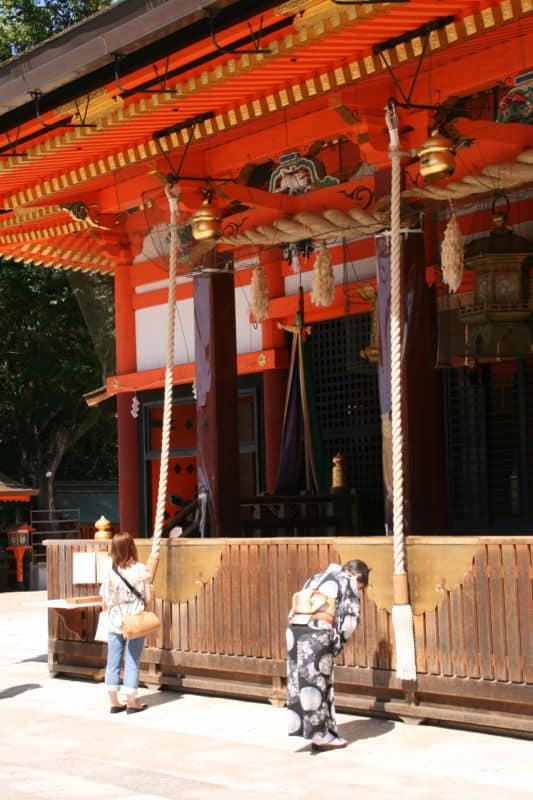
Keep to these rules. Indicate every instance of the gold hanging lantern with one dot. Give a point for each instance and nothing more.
(205, 223)
(437, 157)
(500, 317)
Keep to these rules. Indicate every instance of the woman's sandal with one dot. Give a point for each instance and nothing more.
(117, 709)
(135, 709)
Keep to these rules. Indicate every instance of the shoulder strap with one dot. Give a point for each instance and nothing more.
(128, 584)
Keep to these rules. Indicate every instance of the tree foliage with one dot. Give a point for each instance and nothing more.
(24, 23)
(47, 362)
(47, 358)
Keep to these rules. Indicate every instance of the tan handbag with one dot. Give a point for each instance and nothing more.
(136, 625)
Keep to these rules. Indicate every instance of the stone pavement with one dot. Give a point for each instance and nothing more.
(59, 742)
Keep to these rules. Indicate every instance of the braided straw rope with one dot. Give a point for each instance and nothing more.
(323, 284)
(167, 401)
(402, 615)
(452, 255)
(308, 225)
(259, 301)
(396, 358)
(496, 176)
(333, 222)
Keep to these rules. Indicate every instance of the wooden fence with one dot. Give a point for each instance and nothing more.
(224, 619)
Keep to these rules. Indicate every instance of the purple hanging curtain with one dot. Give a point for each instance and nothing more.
(384, 370)
(290, 470)
(301, 461)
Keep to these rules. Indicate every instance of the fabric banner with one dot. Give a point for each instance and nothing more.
(301, 459)
(383, 265)
(289, 473)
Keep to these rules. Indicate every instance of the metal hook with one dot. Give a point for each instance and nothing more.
(63, 123)
(254, 37)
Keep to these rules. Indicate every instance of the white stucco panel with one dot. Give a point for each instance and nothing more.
(151, 335)
(359, 270)
(249, 337)
(151, 332)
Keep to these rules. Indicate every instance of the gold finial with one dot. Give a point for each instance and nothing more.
(103, 529)
(338, 478)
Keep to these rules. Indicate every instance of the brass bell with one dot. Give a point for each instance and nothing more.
(205, 223)
(437, 157)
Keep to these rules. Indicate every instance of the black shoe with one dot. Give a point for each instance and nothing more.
(117, 709)
(135, 709)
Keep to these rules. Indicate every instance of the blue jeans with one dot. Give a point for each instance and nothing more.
(117, 645)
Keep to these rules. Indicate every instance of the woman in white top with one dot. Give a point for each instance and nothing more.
(120, 600)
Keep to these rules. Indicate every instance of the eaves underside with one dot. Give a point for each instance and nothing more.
(240, 90)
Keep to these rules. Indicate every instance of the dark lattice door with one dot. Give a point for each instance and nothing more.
(348, 409)
(490, 446)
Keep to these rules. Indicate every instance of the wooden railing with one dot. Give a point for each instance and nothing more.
(474, 647)
(299, 515)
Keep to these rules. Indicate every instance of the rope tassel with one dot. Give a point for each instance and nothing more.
(452, 255)
(323, 287)
(402, 623)
(259, 301)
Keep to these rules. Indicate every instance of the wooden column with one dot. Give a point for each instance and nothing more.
(274, 381)
(423, 426)
(128, 456)
(216, 398)
(274, 389)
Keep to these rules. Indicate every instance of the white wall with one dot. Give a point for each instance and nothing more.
(151, 331)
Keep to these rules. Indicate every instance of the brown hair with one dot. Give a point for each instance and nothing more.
(123, 549)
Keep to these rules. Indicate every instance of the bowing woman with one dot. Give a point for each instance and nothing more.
(323, 616)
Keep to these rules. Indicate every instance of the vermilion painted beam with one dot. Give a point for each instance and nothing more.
(247, 364)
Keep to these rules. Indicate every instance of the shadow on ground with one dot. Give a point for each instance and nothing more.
(42, 659)
(354, 731)
(13, 691)
(158, 698)
(357, 729)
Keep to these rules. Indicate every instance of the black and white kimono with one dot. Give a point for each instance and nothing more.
(311, 650)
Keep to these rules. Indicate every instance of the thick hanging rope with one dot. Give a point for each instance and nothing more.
(402, 615)
(452, 254)
(153, 561)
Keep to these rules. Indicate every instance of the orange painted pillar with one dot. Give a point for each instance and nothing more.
(128, 455)
(274, 381)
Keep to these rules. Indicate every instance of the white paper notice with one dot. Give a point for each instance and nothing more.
(101, 561)
(84, 568)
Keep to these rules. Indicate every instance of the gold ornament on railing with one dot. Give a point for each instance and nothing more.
(259, 301)
(338, 477)
(323, 286)
(103, 529)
